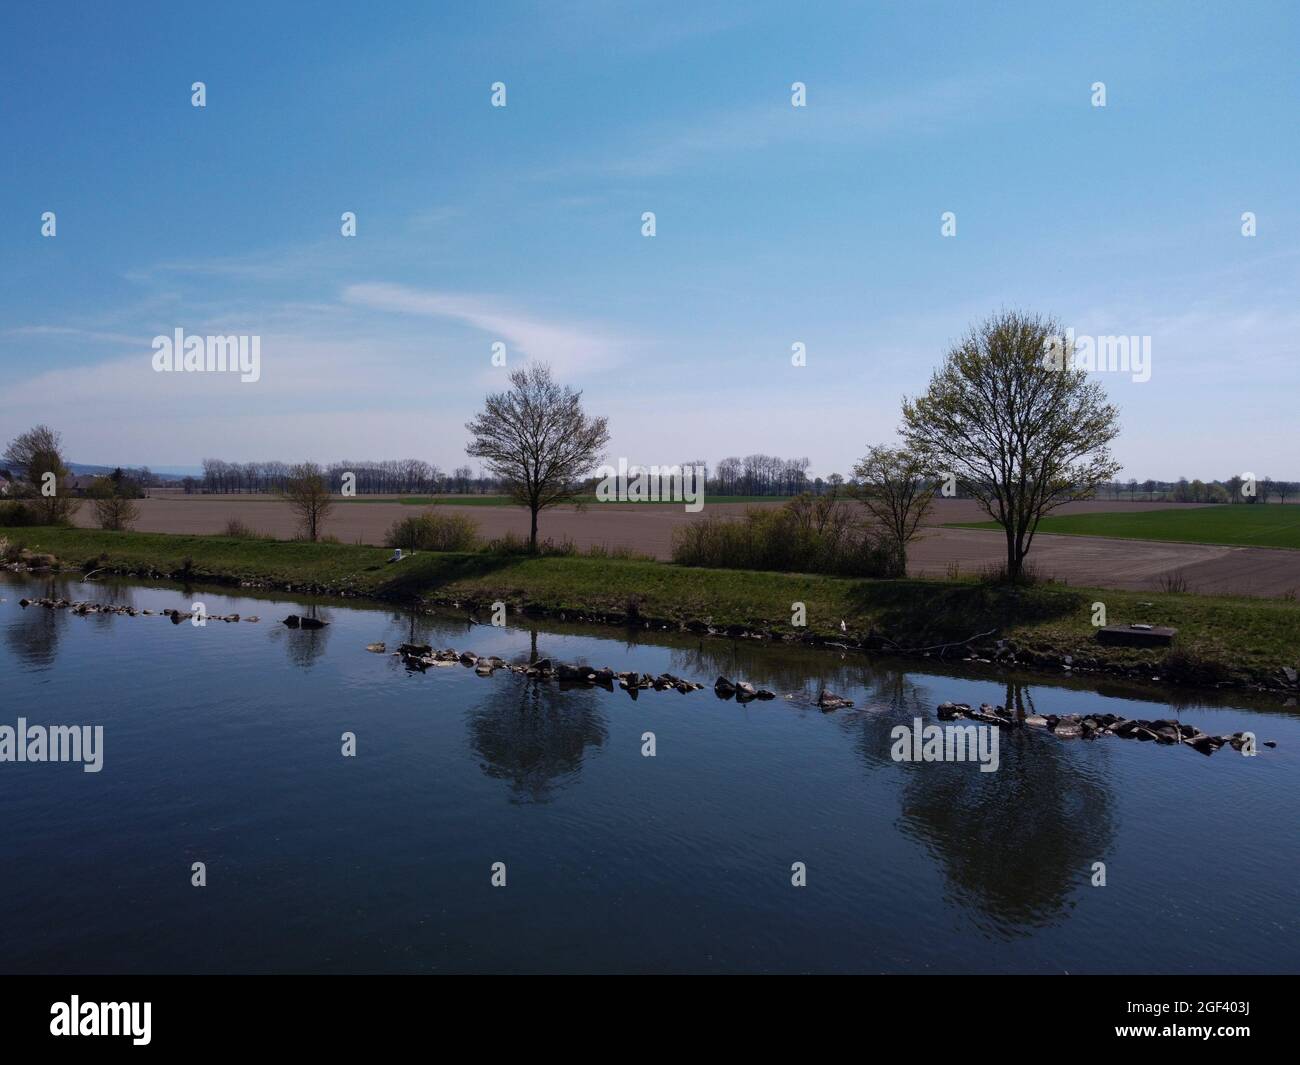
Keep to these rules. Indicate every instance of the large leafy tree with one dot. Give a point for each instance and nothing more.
(1016, 424)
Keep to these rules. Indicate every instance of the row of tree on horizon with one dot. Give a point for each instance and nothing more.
(752, 475)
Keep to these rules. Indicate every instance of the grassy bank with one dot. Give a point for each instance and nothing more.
(1240, 525)
(1221, 639)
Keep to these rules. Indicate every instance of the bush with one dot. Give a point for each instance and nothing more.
(997, 573)
(1190, 667)
(620, 553)
(797, 538)
(1172, 583)
(434, 532)
(115, 512)
(238, 529)
(17, 515)
(511, 543)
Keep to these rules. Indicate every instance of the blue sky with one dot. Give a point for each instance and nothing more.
(522, 224)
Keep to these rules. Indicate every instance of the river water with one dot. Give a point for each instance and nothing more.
(223, 744)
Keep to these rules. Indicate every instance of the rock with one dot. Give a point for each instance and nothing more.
(377, 648)
(1036, 721)
(1287, 672)
(467, 659)
(948, 712)
(420, 649)
(1067, 730)
(573, 673)
(312, 623)
(292, 620)
(829, 701)
(764, 694)
(723, 688)
(24, 602)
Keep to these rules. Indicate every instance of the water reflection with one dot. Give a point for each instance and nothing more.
(996, 862)
(1015, 844)
(33, 634)
(534, 736)
(304, 646)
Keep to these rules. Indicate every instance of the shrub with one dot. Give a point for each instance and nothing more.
(511, 543)
(1191, 667)
(620, 552)
(115, 512)
(997, 573)
(1172, 583)
(434, 532)
(794, 538)
(17, 515)
(237, 528)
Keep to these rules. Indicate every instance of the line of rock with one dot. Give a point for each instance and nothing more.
(82, 609)
(420, 657)
(1090, 726)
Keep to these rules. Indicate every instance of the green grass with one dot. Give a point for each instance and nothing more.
(1237, 525)
(1225, 637)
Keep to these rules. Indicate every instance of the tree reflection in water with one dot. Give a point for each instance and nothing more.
(534, 736)
(1013, 845)
(33, 634)
(304, 646)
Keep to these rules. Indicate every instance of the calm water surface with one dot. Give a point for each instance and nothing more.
(222, 745)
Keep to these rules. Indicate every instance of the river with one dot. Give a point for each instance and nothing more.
(223, 744)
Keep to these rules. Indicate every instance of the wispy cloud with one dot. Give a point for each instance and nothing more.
(568, 346)
(71, 332)
(833, 116)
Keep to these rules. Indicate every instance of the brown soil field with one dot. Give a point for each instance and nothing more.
(1086, 561)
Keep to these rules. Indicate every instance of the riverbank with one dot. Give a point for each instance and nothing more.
(1225, 642)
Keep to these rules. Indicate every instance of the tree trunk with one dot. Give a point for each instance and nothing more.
(532, 538)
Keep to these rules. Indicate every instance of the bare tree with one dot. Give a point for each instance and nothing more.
(37, 455)
(114, 502)
(1020, 427)
(894, 487)
(537, 440)
(307, 491)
